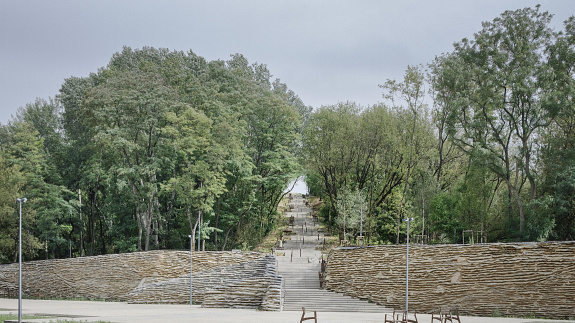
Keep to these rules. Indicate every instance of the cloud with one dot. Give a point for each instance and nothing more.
(326, 51)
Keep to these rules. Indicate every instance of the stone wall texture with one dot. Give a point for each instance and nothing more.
(251, 284)
(524, 279)
(149, 277)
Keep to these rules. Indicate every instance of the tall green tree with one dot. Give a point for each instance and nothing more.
(11, 183)
(128, 112)
(554, 211)
(413, 112)
(499, 84)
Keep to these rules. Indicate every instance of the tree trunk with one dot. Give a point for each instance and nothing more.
(169, 220)
(92, 224)
(513, 193)
(528, 171)
(397, 231)
(147, 216)
(520, 207)
(140, 229)
(218, 208)
(193, 225)
(226, 238)
(102, 238)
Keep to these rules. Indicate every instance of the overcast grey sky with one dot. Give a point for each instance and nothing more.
(325, 51)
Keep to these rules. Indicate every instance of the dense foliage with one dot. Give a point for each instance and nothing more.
(159, 145)
(479, 147)
(154, 147)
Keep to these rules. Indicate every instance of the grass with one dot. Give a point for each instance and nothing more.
(13, 317)
(61, 298)
(270, 241)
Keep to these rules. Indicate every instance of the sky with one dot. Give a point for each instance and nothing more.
(299, 186)
(325, 51)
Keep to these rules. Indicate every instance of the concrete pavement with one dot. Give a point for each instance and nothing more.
(118, 312)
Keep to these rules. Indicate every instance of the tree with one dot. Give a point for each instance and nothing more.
(24, 164)
(193, 182)
(328, 146)
(350, 206)
(128, 112)
(11, 183)
(450, 160)
(499, 84)
(411, 91)
(553, 213)
(80, 166)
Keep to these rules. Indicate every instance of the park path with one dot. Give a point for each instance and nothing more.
(300, 266)
(120, 312)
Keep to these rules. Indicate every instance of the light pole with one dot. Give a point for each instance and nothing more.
(361, 220)
(191, 250)
(407, 269)
(20, 200)
(199, 228)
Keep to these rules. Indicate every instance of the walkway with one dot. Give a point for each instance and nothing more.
(300, 267)
(118, 312)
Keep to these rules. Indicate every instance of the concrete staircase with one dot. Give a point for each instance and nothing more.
(301, 289)
(300, 268)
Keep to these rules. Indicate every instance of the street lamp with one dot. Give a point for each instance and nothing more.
(407, 269)
(20, 261)
(191, 250)
(361, 222)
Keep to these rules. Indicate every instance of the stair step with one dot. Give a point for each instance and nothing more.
(301, 286)
(327, 301)
(311, 307)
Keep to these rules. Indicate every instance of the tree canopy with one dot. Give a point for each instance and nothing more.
(149, 149)
(477, 145)
(486, 149)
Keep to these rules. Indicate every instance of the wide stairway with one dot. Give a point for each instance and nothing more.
(300, 267)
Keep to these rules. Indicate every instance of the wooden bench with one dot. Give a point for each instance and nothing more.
(406, 318)
(453, 317)
(395, 318)
(444, 315)
(400, 318)
(440, 316)
(303, 318)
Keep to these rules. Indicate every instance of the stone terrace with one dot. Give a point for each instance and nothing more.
(522, 280)
(139, 276)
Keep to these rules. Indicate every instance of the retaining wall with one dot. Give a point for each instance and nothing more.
(525, 279)
(126, 277)
(252, 284)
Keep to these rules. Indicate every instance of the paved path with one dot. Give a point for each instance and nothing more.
(122, 312)
(300, 267)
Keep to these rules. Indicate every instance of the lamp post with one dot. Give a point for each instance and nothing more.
(407, 269)
(361, 223)
(191, 250)
(20, 200)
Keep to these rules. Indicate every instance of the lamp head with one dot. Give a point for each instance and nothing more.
(189, 236)
(22, 200)
(408, 219)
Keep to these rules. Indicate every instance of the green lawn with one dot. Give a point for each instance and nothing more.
(11, 317)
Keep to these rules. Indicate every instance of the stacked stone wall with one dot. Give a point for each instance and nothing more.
(245, 285)
(116, 277)
(525, 279)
